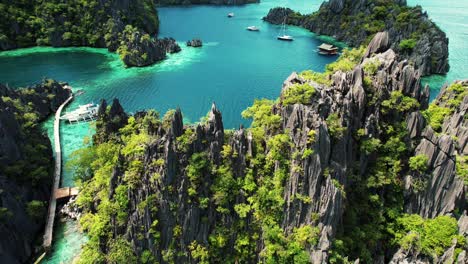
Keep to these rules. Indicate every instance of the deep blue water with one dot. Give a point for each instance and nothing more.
(452, 17)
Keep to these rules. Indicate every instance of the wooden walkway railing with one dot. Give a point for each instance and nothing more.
(49, 228)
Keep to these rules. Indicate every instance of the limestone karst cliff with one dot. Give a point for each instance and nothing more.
(411, 33)
(129, 27)
(332, 172)
(26, 166)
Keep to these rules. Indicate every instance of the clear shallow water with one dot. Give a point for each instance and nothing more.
(67, 243)
(452, 17)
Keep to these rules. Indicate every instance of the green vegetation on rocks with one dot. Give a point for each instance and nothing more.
(357, 23)
(198, 193)
(429, 236)
(26, 165)
(77, 23)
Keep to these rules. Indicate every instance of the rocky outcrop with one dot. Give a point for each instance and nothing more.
(430, 200)
(278, 15)
(194, 43)
(443, 150)
(26, 166)
(205, 2)
(130, 26)
(70, 209)
(44, 98)
(379, 44)
(140, 50)
(169, 45)
(410, 31)
(97, 24)
(304, 164)
(109, 121)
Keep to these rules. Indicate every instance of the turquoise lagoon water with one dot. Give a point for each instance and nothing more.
(233, 67)
(452, 17)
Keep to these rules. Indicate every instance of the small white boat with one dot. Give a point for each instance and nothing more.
(285, 38)
(231, 15)
(83, 113)
(253, 28)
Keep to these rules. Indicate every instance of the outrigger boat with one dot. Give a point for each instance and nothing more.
(253, 28)
(87, 112)
(327, 49)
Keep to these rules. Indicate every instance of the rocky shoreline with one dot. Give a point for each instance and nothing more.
(411, 33)
(129, 27)
(26, 165)
(70, 210)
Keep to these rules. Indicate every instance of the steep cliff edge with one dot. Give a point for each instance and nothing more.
(411, 33)
(93, 23)
(330, 172)
(26, 166)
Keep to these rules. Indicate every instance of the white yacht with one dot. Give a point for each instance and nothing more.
(253, 28)
(283, 35)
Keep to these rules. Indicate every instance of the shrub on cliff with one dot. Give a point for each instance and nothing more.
(298, 94)
(430, 236)
(407, 44)
(418, 163)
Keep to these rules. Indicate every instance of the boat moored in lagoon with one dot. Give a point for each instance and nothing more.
(285, 38)
(283, 35)
(230, 15)
(83, 113)
(253, 28)
(327, 49)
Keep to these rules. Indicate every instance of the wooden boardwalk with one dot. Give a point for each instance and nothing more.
(65, 192)
(49, 228)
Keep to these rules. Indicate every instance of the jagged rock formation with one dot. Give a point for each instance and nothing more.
(127, 26)
(327, 147)
(73, 24)
(169, 45)
(443, 151)
(71, 210)
(205, 2)
(194, 43)
(278, 15)
(26, 166)
(410, 31)
(139, 50)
